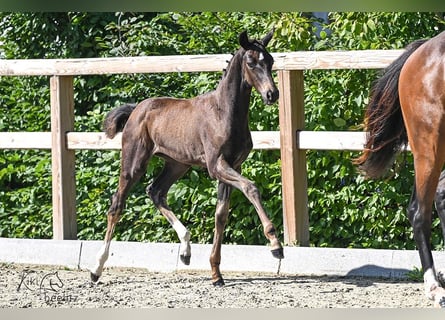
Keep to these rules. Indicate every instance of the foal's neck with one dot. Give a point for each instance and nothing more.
(233, 91)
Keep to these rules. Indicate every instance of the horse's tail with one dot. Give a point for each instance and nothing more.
(116, 119)
(383, 120)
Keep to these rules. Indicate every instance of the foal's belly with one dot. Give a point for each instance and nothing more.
(182, 153)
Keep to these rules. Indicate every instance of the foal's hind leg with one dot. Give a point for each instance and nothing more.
(135, 157)
(157, 191)
(230, 176)
(221, 214)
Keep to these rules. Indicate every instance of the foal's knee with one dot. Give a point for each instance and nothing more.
(117, 205)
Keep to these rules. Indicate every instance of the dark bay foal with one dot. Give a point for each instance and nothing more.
(211, 131)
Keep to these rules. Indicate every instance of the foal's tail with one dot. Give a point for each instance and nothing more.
(116, 119)
(383, 120)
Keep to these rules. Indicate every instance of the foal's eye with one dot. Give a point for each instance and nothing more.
(251, 65)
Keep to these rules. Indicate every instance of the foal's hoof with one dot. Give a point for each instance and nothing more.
(219, 283)
(185, 259)
(94, 277)
(278, 253)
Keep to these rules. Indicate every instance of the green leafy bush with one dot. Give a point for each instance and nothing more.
(345, 210)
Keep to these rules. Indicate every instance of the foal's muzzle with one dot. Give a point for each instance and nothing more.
(271, 96)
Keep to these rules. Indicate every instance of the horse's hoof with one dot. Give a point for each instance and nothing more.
(278, 253)
(185, 259)
(94, 277)
(441, 277)
(442, 302)
(219, 283)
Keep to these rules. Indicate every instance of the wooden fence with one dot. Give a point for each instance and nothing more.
(292, 140)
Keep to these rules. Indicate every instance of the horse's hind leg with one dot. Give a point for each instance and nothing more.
(420, 216)
(221, 214)
(440, 208)
(439, 201)
(135, 157)
(427, 170)
(157, 191)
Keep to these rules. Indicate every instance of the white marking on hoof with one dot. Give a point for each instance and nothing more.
(101, 257)
(184, 236)
(275, 244)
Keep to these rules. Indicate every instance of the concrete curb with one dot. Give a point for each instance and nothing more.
(164, 257)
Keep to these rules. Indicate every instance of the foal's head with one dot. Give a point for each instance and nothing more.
(257, 66)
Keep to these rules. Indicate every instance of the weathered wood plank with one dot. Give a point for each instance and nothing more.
(120, 65)
(93, 141)
(359, 59)
(25, 140)
(262, 140)
(331, 140)
(302, 60)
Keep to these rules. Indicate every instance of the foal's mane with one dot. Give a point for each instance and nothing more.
(258, 44)
(230, 61)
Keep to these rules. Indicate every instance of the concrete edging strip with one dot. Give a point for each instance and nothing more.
(164, 257)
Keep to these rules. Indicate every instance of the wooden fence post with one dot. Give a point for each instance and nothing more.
(293, 160)
(63, 160)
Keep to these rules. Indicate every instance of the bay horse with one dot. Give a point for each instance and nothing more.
(210, 131)
(407, 104)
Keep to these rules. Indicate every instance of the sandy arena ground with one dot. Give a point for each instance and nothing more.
(28, 286)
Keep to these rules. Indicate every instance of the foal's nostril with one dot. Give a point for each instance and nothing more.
(272, 95)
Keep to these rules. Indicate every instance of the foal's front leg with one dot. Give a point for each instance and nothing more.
(221, 214)
(230, 176)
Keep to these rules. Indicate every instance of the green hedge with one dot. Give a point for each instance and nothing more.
(345, 210)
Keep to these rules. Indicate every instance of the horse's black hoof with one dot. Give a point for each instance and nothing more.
(278, 253)
(185, 259)
(94, 277)
(441, 278)
(219, 283)
(442, 302)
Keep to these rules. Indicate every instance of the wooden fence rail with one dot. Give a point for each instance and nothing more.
(292, 140)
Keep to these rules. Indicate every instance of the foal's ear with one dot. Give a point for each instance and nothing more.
(267, 37)
(244, 40)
